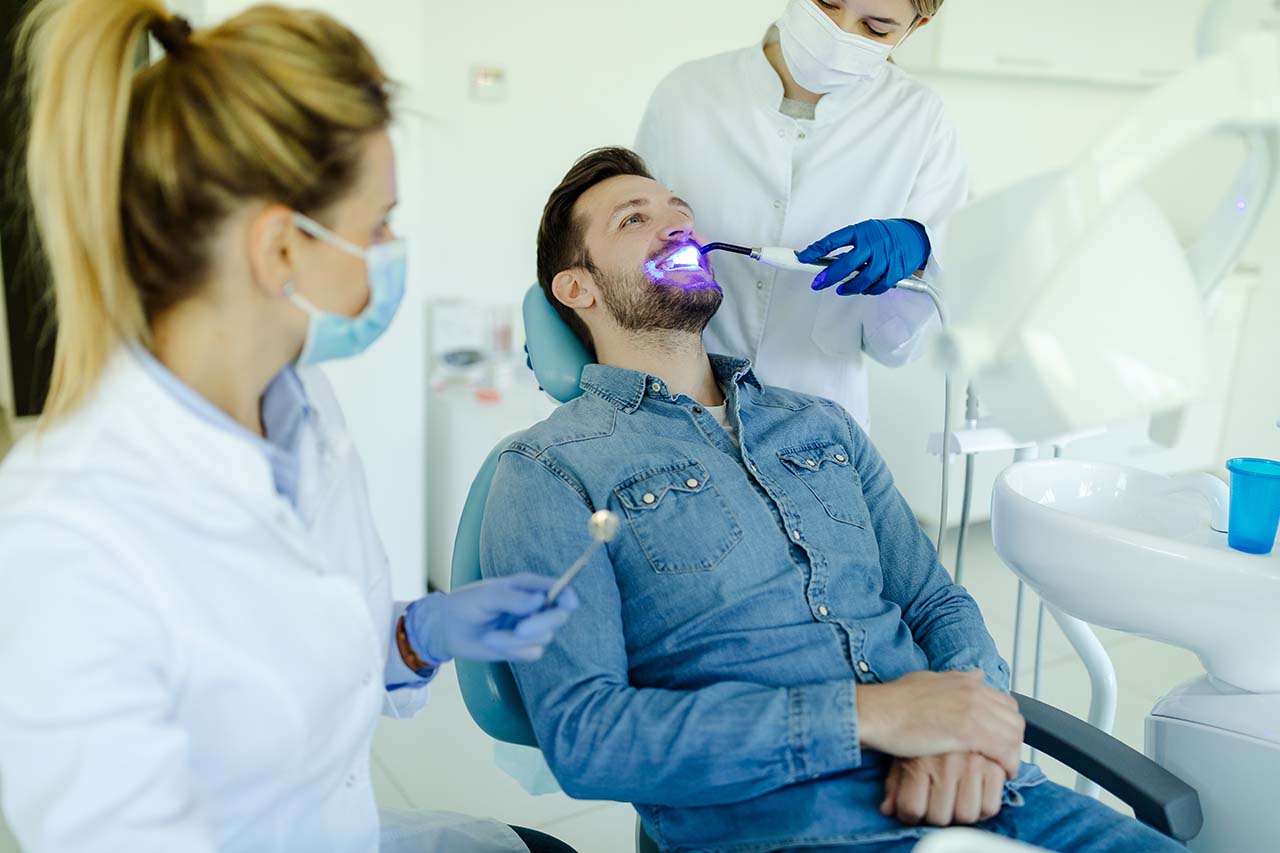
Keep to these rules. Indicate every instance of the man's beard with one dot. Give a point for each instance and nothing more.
(638, 304)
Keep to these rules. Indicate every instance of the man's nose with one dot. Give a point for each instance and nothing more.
(678, 230)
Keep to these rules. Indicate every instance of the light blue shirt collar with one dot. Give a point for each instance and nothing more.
(285, 410)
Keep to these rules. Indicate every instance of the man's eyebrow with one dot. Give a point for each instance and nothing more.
(676, 201)
(628, 205)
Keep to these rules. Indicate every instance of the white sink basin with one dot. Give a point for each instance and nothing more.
(1135, 552)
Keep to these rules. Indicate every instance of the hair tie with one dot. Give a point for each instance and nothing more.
(174, 34)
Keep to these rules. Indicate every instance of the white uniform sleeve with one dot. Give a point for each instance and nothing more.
(895, 324)
(91, 757)
(651, 139)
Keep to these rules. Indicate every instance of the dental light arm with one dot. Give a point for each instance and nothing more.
(1055, 279)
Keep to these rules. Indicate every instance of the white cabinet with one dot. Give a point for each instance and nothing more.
(1092, 41)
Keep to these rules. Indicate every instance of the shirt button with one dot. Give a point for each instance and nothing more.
(691, 483)
(648, 498)
(802, 134)
(697, 410)
(811, 463)
(862, 665)
(823, 611)
(657, 386)
(795, 534)
(840, 457)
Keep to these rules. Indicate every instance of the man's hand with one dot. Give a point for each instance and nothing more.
(934, 713)
(944, 790)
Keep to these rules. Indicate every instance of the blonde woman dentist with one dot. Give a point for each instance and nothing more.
(196, 626)
(813, 132)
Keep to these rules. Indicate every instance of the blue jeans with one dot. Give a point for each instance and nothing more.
(1054, 818)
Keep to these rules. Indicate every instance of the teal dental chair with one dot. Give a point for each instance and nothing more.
(1157, 797)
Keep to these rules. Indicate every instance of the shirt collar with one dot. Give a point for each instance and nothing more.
(764, 87)
(626, 389)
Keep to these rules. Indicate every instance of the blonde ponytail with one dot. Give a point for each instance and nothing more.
(80, 59)
(132, 172)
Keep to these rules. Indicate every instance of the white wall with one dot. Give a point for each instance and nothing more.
(474, 175)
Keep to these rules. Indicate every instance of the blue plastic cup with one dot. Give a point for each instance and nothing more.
(1255, 505)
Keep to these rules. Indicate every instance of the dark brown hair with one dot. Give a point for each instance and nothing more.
(561, 235)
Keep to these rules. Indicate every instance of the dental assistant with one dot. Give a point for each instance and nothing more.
(813, 132)
(197, 632)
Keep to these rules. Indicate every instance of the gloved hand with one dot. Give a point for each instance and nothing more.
(493, 620)
(885, 251)
(528, 362)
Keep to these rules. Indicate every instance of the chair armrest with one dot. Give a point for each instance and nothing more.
(1157, 797)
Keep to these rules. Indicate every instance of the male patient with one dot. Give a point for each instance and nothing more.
(769, 656)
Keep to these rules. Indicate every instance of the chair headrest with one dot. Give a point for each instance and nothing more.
(555, 352)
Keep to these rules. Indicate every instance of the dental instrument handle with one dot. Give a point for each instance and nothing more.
(571, 573)
(781, 258)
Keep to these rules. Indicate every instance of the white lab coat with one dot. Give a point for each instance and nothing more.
(884, 149)
(186, 662)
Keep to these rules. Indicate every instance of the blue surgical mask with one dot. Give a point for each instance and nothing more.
(331, 336)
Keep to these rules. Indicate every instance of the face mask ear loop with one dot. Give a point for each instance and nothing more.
(911, 29)
(315, 229)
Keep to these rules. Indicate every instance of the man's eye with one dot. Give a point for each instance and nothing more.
(634, 218)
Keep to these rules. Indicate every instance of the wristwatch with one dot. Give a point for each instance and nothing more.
(407, 654)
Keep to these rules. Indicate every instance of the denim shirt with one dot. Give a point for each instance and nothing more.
(710, 675)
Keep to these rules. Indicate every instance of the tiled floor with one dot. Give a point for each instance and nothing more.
(440, 760)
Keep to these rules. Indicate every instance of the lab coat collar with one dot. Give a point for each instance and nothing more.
(178, 439)
(626, 389)
(765, 91)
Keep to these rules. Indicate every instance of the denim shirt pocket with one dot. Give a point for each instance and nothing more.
(680, 519)
(826, 468)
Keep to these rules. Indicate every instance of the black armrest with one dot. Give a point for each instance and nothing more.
(1157, 797)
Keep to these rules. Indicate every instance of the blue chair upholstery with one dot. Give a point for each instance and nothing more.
(555, 352)
(489, 690)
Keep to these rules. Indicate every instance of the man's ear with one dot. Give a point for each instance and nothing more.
(573, 289)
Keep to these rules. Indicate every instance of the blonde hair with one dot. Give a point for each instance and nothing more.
(132, 172)
(927, 8)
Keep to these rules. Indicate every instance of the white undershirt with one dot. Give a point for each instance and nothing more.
(721, 414)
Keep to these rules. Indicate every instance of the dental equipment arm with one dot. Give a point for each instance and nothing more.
(1038, 258)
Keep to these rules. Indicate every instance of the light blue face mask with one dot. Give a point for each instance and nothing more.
(331, 336)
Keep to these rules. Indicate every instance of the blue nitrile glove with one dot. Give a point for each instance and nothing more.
(885, 251)
(528, 362)
(493, 620)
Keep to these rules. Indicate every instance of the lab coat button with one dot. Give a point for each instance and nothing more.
(351, 781)
(759, 285)
(691, 483)
(782, 134)
(802, 134)
(777, 205)
(823, 611)
(649, 498)
(862, 665)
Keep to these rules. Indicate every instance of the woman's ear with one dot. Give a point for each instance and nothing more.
(272, 239)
